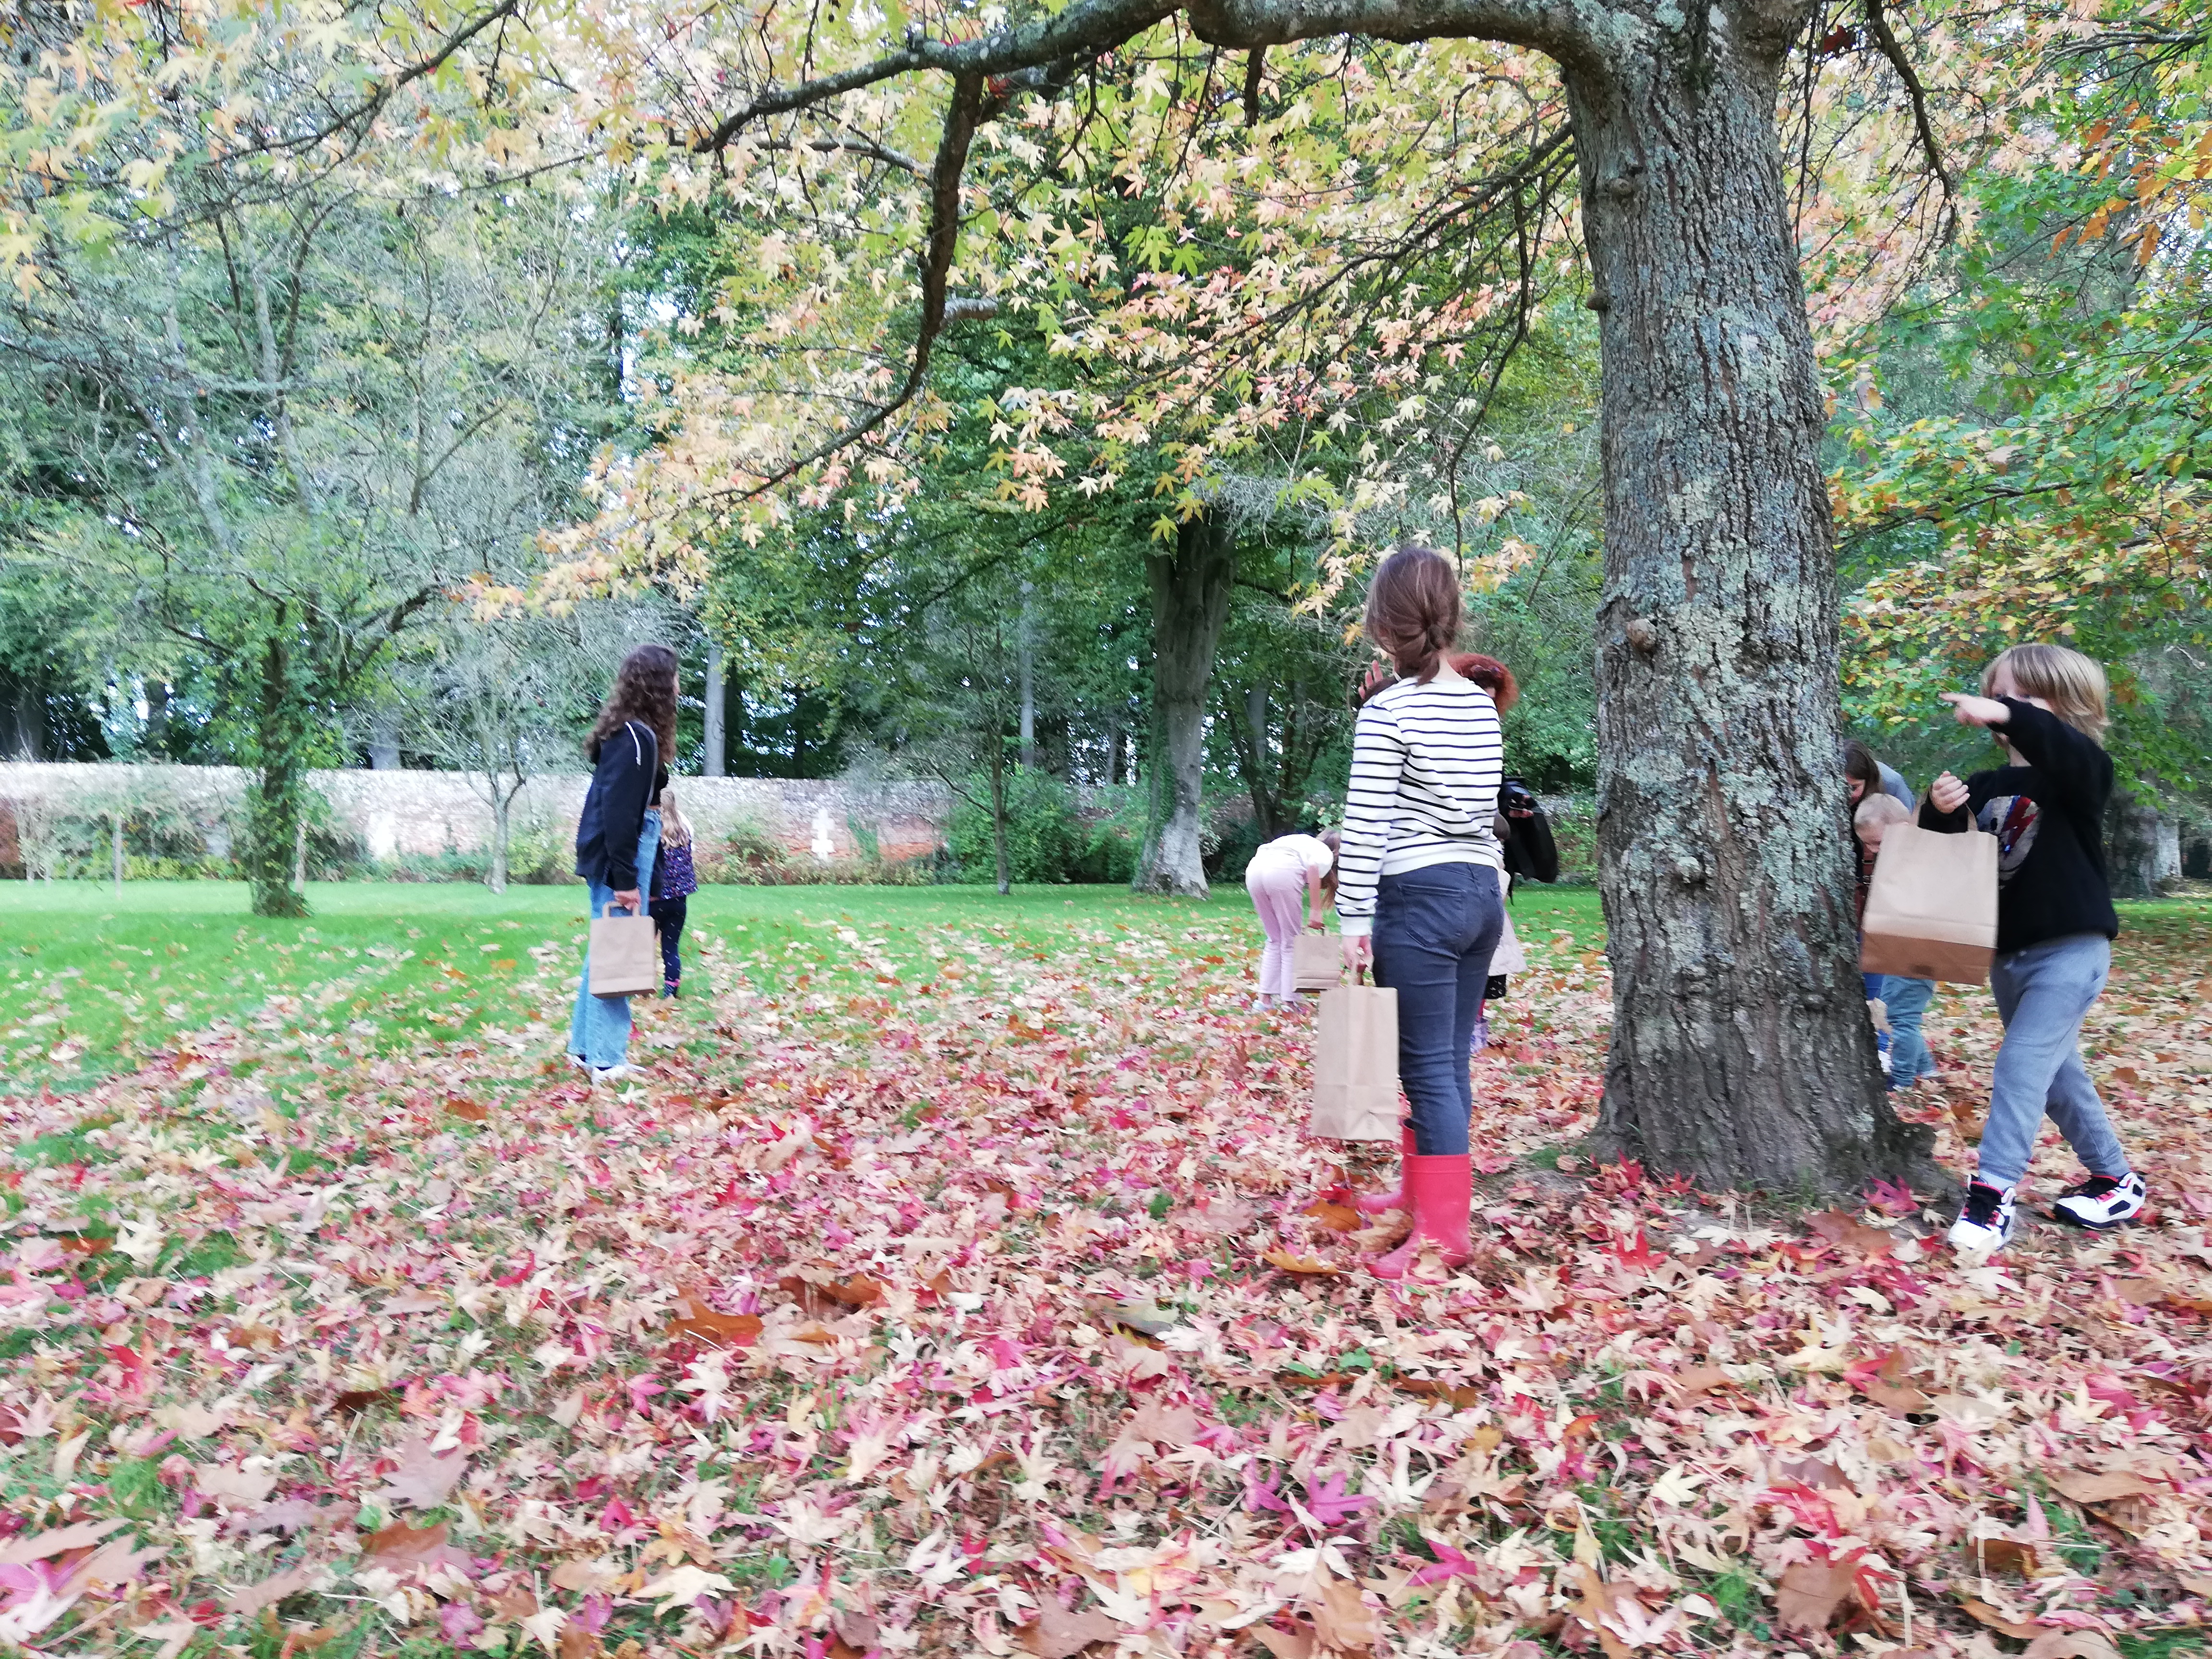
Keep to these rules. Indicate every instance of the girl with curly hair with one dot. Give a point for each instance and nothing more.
(619, 832)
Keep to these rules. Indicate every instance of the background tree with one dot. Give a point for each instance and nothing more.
(2022, 450)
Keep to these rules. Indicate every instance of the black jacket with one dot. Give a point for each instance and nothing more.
(2049, 819)
(623, 784)
(1530, 851)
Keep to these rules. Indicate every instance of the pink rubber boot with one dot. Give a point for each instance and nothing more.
(1442, 1189)
(1376, 1203)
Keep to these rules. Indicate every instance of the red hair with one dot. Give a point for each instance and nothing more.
(1491, 675)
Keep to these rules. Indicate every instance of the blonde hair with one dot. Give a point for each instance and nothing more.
(1334, 840)
(675, 828)
(1879, 809)
(2073, 684)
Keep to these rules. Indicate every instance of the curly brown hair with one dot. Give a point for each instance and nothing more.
(644, 689)
(1491, 675)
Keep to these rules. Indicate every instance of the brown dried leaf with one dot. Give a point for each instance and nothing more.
(2000, 1556)
(1343, 1622)
(1297, 1264)
(1056, 1633)
(245, 1602)
(1286, 1644)
(1809, 1593)
(424, 1478)
(1458, 1398)
(354, 1401)
(2071, 1645)
(2084, 1488)
(401, 1546)
(1337, 1217)
(694, 1318)
(2004, 1622)
(1701, 1379)
(1843, 1229)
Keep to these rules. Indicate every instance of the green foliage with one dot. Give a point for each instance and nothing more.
(1048, 839)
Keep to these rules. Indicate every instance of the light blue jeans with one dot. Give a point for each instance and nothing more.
(1907, 1000)
(2042, 994)
(599, 1033)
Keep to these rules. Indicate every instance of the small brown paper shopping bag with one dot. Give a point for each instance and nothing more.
(1931, 910)
(625, 952)
(1316, 960)
(1355, 1093)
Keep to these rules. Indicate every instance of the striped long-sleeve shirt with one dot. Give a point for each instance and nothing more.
(1426, 764)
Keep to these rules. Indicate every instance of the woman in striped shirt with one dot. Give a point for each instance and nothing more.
(1420, 892)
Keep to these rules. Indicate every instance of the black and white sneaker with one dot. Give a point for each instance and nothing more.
(1985, 1220)
(2102, 1201)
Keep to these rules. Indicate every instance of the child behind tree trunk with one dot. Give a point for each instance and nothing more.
(1870, 822)
(673, 884)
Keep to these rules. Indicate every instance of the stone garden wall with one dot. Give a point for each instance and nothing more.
(392, 817)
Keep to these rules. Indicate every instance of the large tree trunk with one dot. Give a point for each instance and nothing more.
(715, 700)
(1740, 1053)
(1190, 603)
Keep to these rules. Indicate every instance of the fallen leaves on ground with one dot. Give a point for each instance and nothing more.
(1003, 1314)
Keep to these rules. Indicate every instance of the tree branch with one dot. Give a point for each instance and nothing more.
(1893, 49)
(1090, 27)
(961, 118)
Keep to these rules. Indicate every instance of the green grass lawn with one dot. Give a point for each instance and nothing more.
(94, 980)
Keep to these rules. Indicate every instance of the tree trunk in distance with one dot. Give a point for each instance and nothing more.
(272, 807)
(156, 739)
(30, 721)
(1741, 1054)
(2146, 849)
(717, 690)
(999, 813)
(1028, 664)
(383, 742)
(115, 825)
(1263, 801)
(1190, 602)
(300, 858)
(500, 830)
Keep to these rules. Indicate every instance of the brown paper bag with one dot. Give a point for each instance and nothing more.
(1316, 960)
(1355, 1092)
(625, 955)
(1931, 910)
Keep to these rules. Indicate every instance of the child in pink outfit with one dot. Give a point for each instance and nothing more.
(1280, 873)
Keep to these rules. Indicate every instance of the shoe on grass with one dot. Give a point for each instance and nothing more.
(613, 1074)
(1985, 1220)
(2102, 1201)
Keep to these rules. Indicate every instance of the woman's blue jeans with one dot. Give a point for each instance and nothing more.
(1436, 930)
(599, 1033)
